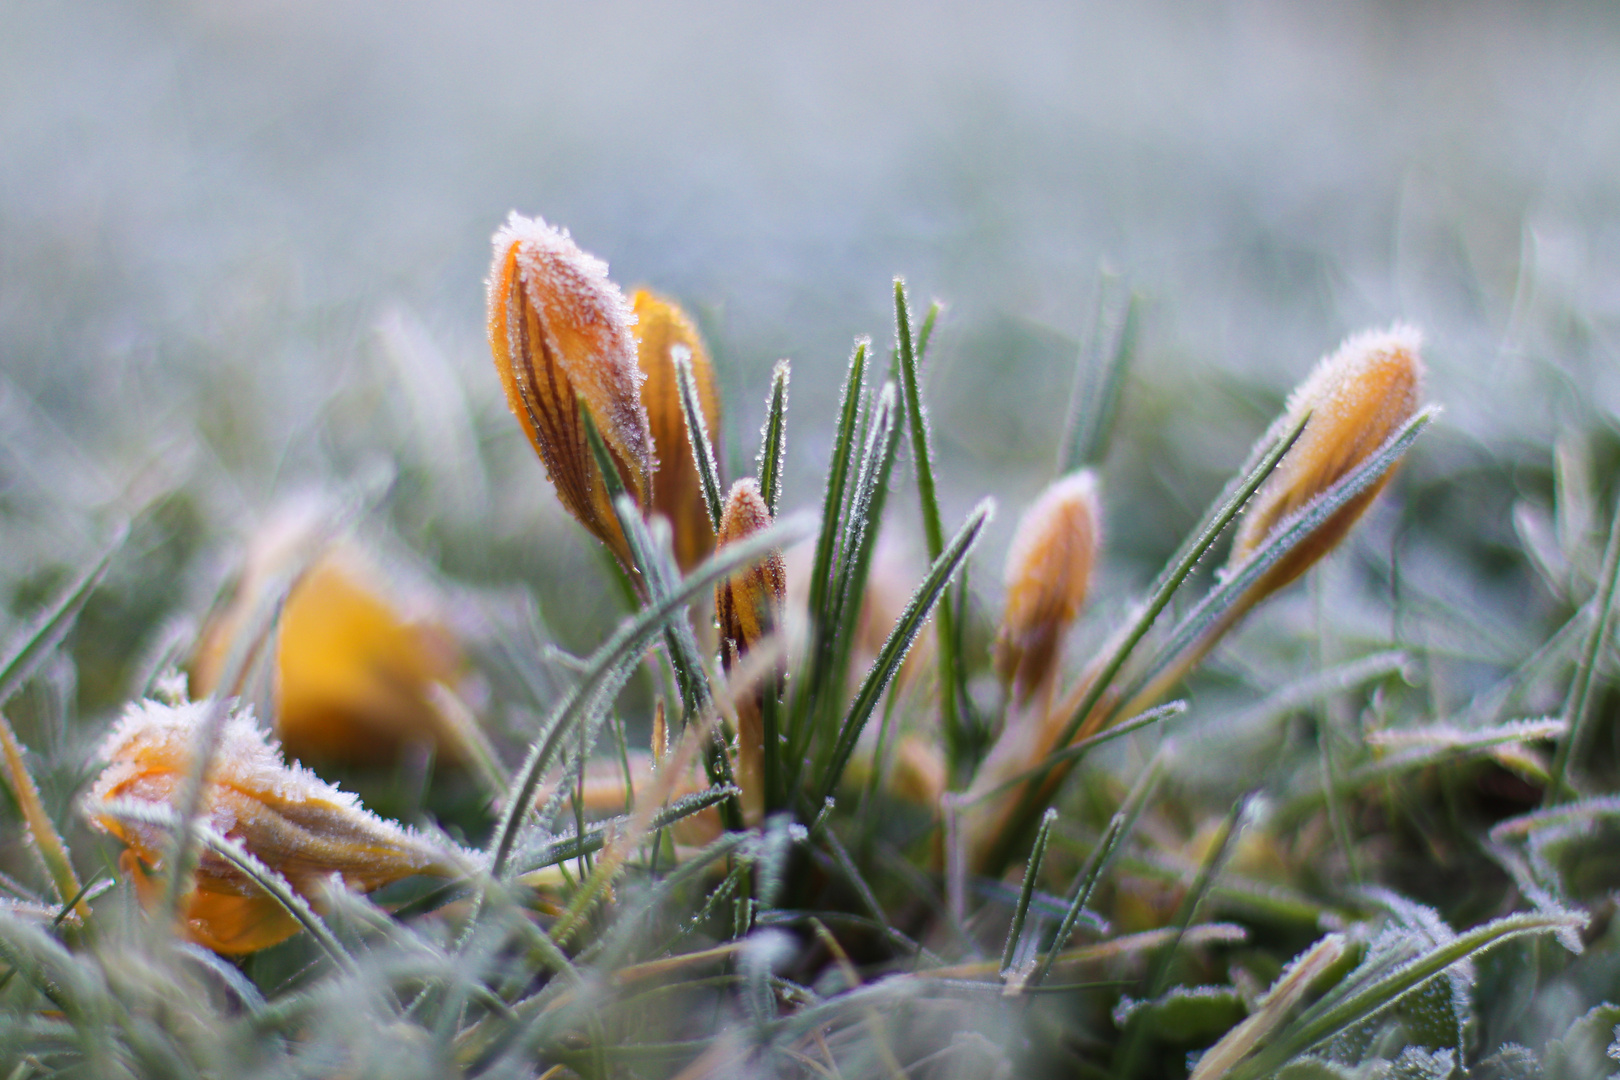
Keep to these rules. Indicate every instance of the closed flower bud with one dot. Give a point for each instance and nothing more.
(661, 327)
(1358, 398)
(289, 819)
(1049, 568)
(748, 605)
(363, 670)
(560, 333)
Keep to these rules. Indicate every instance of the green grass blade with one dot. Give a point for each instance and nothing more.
(1102, 856)
(925, 333)
(1026, 892)
(1220, 514)
(812, 687)
(592, 840)
(844, 443)
(254, 638)
(1333, 1015)
(1099, 377)
(40, 638)
(1284, 539)
(899, 642)
(773, 439)
(697, 433)
(608, 667)
(933, 531)
(1578, 709)
(864, 522)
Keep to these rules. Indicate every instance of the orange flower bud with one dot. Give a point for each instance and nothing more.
(1358, 398)
(677, 492)
(560, 332)
(1049, 569)
(748, 605)
(361, 672)
(288, 818)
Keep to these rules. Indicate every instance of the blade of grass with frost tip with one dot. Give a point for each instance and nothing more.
(844, 443)
(950, 684)
(1026, 892)
(1130, 1047)
(1578, 705)
(925, 332)
(47, 841)
(899, 643)
(697, 433)
(655, 575)
(254, 638)
(773, 439)
(659, 573)
(1334, 1013)
(40, 638)
(864, 522)
(1284, 538)
(571, 847)
(1220, 514)
(1099, 377)
(610, 665)
(810, 689)
(1102, 856)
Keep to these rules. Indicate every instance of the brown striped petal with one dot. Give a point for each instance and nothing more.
(559, 331)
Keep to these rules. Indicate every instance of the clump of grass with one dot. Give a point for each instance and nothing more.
(920, 855)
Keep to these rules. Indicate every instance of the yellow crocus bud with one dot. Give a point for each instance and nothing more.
(560, 333)
(285, 816)
(1357, 398)
(1049, 568)
(662, 327)
(748, 606)
(363, 670)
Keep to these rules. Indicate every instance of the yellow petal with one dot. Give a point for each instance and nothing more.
(1049, 568)
(1357, 399)
(360, 671)
(289, 819)
(677, 491)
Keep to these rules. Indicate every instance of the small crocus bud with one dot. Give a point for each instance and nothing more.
(560, 334)
(748, 605)
(662, 327)
(285, 816)
(1357, 398)
(365, 667)
(1049, 569)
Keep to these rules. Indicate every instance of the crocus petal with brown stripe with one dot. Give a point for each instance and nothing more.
(559, 331)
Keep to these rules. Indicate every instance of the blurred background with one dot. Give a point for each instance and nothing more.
(243, 245)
